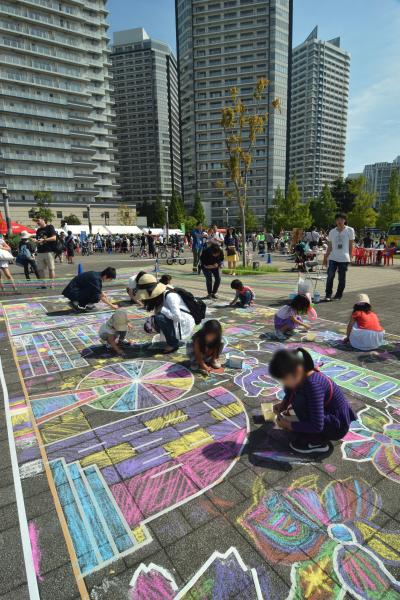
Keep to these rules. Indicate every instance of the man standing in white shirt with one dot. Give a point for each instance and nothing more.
(338, 255)
(215, 236)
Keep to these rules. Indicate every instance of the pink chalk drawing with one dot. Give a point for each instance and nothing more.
(224, 575)
(375, 438)
(36, 552)
(255, 381)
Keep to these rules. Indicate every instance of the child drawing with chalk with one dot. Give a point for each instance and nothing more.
(244, 296)
(205, 347)
(289, 317)
(322, 413)
(113, 332)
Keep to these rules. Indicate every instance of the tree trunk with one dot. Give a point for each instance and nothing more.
(243, 216)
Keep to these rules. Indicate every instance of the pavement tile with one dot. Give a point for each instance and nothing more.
(51, 540)
(12, 571)
(170, 527)
(20, 593)
(59, 583)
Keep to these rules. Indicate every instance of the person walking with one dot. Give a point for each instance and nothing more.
(46, 239)
(5, 256)
(26, 255)
(338, 255)
(197, 245)
(231, 245)
(70, 247)
(211, 260)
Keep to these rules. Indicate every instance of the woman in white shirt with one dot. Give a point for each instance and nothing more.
(172, 317)
(5, 256)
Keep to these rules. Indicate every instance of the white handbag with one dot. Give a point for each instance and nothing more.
(5, 255)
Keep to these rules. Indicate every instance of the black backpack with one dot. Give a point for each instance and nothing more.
(197, 308)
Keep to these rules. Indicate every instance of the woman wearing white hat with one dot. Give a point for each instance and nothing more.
(171, 315)
(364, 331)
(26, 255)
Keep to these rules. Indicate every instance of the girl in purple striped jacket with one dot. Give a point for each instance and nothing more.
(322, 412)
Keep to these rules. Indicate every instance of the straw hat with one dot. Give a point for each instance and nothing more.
(25, 235)
(363, 299)
(154, 293)
(145, 285)
(120, 319)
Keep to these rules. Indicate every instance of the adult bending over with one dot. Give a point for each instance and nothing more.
(86, 289)
(211, 260)
(172, 317)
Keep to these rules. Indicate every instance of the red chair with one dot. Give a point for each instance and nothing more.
(361, 256)
(388, 255)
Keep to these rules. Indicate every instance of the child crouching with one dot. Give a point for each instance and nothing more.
(364, 331)
(115, 329)
(205, 347)
(244, 295)
(289, 317)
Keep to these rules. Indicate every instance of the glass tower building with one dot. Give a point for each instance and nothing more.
(147, 110)
(224, 44)
(319, 102)
(55, 106)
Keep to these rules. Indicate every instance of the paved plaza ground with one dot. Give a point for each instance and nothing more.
(137, 479)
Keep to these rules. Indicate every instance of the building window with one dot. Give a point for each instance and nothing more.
(59, 214)
(85, 214)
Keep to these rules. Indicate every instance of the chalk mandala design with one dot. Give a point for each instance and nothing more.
(137, 385)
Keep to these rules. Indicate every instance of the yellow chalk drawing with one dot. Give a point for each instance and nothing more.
(139, 534)
(188, 442)
(172, 418)
(64, 426)
(105, 458)
(230, 410)
(20, 418)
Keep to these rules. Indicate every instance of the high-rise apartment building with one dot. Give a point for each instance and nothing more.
(319, 101)
(147, 117)
(224, 44)
(377, 178)
(55, 108)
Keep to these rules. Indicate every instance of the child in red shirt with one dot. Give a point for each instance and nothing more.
(244, 295)
(364, 331)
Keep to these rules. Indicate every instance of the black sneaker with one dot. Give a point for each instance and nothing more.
(214, 296)
(308, 447)
(208, 297)
(336, 297)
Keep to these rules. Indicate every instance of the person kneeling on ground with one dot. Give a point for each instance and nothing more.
(115, 328)
(289, 316)
(244, 295)
(132, 287)
(86, 289)
(322, 411)
(364, 331)
(172, 317)
(205, 347)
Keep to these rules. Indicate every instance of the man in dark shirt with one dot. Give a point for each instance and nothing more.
(368, 242)
(46, 239)
(211, 260)
(86, 289)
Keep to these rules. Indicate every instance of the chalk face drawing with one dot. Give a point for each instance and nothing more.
(255, 381)
(223, 576)
(114, 479)
(327, 536)
(374, 437)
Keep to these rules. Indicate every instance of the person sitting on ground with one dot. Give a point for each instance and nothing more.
(364, 331)
(289, 316)
(172, 317)
(322, 413)
(132, 287)
(244, 295)
(166, 280)
(113, 331)
(205, 347)
(86, 289)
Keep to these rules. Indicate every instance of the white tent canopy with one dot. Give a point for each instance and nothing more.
(124, 229)
(103, 229)
(158, 231)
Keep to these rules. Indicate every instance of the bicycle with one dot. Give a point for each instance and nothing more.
(173, 259)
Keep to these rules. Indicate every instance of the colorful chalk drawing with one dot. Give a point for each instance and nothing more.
(374, 437)
(255, 381)
(114, 479)
(327, 537)
(223, 575)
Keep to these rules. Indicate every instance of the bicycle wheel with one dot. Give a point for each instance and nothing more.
(163, 254)
(182, 261)
(170, 261)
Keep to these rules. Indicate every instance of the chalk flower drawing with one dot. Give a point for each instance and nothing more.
(374, 437)
(322, 536)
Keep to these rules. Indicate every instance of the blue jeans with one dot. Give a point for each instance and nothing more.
(166, 326)
(334, 266)
(244, 299)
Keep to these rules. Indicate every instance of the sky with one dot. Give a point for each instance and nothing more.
(369, 31)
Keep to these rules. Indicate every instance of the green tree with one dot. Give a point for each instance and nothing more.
(362, 215)
(390, 210)
(176, 210)
(241, 126)
(126, 215)
(198, 210)
(341, 190)
(289, 212)
(252, 224)
(43, 202)
(72, 220)
(323, 208)
(190, 223)
(158, 213)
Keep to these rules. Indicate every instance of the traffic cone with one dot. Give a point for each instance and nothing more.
(80, 268)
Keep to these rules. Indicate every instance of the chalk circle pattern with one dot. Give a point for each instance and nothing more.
(137, 385)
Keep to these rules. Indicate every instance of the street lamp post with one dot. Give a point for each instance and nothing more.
(4, 193)
(167, 222)
(227, 216)
(89, 220)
